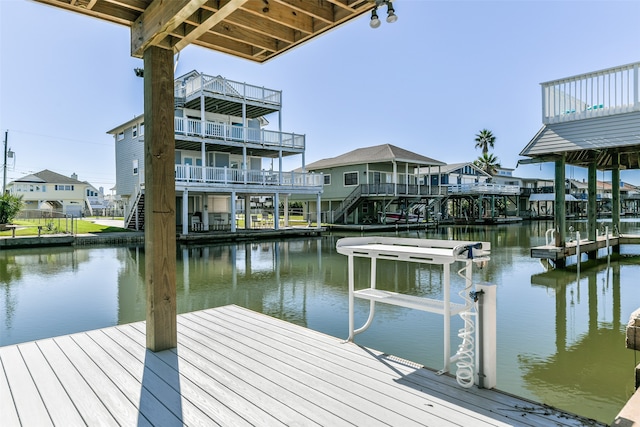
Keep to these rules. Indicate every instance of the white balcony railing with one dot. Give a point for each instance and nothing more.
(483, 188)
(241, 134)
(228, 88)
(600, 93)
(216, 176)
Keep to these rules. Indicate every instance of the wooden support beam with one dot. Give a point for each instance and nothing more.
(615, 191)
(160, 18)
(560, 208)
(213, 20)
(160, 199)
(592, 202)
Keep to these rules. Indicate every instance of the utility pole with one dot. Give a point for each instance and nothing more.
(4, 164)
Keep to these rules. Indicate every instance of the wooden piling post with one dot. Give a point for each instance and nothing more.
(160, 199)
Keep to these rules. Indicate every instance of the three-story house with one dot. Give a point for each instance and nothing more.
(228, 165)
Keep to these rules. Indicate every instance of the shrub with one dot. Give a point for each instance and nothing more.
(10, 205)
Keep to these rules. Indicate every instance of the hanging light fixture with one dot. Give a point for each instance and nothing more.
(391, 16)
(375, 22)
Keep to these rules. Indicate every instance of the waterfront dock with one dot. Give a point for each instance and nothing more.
(571, 248)
(234, 366)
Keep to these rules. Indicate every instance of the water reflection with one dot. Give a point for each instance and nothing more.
(560, 334)
(589, 337)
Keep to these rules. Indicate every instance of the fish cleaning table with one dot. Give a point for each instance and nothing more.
(426, 251)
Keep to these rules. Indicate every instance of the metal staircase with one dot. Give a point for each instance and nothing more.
(347, 205)
(135, 219)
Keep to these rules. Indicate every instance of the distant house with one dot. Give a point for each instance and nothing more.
(457, 174)
(55, 193)
(361, 184)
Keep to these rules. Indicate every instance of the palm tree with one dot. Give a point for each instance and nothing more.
(484, 140)
(488, 163)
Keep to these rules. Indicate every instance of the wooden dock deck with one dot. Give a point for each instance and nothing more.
(558, 253)
(235, 367)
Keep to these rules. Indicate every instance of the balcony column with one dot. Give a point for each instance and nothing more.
(276, 211)
(395, 178)
(185, 211)
(318, 212)
(205, 212)
(202, 117)
(160, 200)
(247, 211)
(244, 163)
(232, 220)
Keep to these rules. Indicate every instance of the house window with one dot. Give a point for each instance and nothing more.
(134, 131)
(327, 179)
(120, 136)
(350, 179)
(64, 187)
(135, 166)
(141, 128)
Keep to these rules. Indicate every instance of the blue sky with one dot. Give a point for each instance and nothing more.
(427, 83)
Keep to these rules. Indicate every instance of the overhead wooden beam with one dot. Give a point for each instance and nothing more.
(208, 23)
(158, 21)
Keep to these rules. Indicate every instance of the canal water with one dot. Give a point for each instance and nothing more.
(560, 334)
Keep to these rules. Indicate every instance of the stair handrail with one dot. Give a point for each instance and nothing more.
(347, 203)
(132, 205)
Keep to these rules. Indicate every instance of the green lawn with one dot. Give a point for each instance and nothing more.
(29, 227)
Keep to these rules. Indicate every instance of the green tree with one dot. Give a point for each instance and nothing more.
(485, 140)
(488, 163)
(10, 205)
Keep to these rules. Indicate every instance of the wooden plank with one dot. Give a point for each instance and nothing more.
(29, 405)
(131, 355)
(54, 396)
(121, 408)
(209, 404)
(372, 377)
(7, 399)
(340, 412)
(149, 407)
(492, 403)
(330, 378)
(251, 387)
(85, 399)
(282, 403)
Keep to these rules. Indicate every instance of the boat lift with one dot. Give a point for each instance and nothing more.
(445, 253)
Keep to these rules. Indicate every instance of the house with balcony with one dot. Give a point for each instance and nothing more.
(56, 194)
(468, 194)
(228, 162)
(590, 120)
(368, 184)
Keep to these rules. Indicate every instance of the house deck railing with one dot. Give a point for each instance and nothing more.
(223, 176)
(601, 93)
(228, 88)
(483, 188)
(241, 134)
